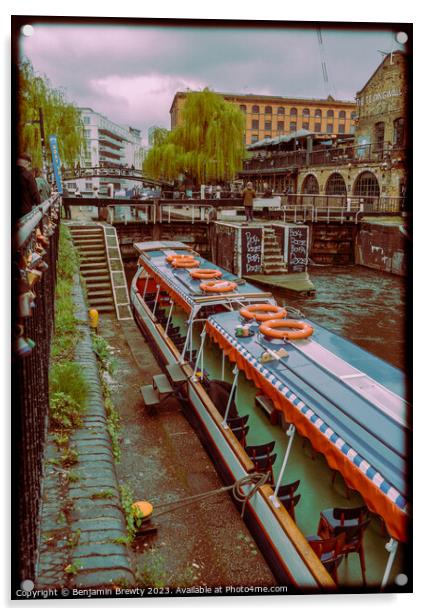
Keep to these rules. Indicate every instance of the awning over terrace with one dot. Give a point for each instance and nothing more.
(358, 421)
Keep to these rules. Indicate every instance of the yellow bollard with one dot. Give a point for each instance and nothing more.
(94, 318)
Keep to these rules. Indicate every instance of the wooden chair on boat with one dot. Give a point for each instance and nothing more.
(257, 451)
(341, 517)
(238, 422)
(289, 503)
(288, 489)
(329, 551)
(240, 433)
(353, 522)
(264, 464)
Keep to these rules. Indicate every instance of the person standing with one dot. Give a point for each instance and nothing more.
(67, 210)
(248, 194)
(42, 185)
(28, 192)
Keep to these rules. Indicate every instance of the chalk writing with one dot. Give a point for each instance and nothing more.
(297, 252)
(251, 251)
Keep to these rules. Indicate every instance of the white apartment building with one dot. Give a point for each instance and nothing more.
(107, 145)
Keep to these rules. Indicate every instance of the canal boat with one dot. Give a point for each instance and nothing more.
(350, 467)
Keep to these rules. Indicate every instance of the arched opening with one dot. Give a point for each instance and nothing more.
(367, 188)
(336, 185)
(310, 185)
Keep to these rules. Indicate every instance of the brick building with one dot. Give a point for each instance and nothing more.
(370, 166)
(269, 116)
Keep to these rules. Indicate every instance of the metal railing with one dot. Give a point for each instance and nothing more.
(30, 386)
(371, 152)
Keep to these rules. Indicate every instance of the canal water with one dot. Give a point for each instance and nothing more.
(366, 306)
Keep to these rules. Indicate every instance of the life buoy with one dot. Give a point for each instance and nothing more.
(218, 286)
(175, 257)
(205, 274)
(277, 329)
(184, 263)
(269, 312)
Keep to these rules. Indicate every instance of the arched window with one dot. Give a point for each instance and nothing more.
(342, 115)
(268, 109)
(255, 109)
(306, 113)
(294, 111)
(336, 185)
(317, 113)
(353, 115)
(243, 108)
(398, 138)
(330, 113)
(310, 185)
(281, 111)
(366, 185)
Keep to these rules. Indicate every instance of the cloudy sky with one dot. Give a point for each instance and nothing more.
(130, 73)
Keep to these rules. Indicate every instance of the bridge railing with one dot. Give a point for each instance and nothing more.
(31, 342)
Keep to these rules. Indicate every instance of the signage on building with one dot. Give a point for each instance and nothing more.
(368, 99)
(56, 162)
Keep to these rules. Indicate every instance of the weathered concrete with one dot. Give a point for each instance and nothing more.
(383, 246)
(80, 530)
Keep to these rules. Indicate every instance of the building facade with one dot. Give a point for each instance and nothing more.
(110, 145)
(370, 167)
(270, 116)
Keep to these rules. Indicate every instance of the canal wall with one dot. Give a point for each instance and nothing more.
(382, 246)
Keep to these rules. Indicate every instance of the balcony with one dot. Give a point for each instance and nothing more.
(279, 161)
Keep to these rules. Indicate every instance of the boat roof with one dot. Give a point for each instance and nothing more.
(186, 290)
(349, 403)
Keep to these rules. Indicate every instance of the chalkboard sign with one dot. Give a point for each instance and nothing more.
(251, 249)
(297, 249)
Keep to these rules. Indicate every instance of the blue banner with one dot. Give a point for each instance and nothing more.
(56, 163)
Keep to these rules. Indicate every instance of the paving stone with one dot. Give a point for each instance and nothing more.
(106, 511)
(98, 523)
(100, 549)
(103, 578)
(110, 535)
(89, 492)
(105, 562)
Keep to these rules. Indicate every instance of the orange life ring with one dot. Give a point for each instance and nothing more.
(203, 274)
(218, 286)
(272, 312)
(175, 257)
(184, 263)
(271, 329)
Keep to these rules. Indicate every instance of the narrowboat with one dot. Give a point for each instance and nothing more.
(313, 430)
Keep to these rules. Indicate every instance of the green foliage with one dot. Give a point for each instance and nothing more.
(129, 511)
(101, 348)
(102, 495)
(61, 117)
(207, 146)
(67, 378)
(66, 333)
(65, 413)
(73, 567)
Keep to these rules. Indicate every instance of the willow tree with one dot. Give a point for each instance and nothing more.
(207, 146)
(61, 117)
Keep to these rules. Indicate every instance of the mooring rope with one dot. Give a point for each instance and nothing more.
(254, 479)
